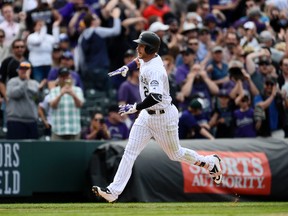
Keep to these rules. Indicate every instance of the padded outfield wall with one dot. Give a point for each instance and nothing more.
(254, 169)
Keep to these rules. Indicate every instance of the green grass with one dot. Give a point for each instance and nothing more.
(147, 209)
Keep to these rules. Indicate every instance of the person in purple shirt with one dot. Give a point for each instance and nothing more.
(128, 92)
(239, 78)
(244, 117)
(193, 123)
(182, 70)
(66, 61)
(255, 15)
(117, 128)
(199, 83)
(97, 130)
(71, 8)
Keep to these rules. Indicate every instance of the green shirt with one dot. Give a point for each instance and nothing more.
(66, 117)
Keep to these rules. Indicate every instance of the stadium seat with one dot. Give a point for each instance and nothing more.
(94, 94)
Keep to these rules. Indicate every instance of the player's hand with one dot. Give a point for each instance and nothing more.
(123, 71)
(127, 109)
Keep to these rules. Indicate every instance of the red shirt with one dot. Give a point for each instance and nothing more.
(152, 10)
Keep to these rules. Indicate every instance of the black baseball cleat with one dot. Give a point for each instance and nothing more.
(104, 193)
(216, 172)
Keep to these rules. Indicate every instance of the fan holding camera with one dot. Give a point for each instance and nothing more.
(198, 82)
(66, 100)
(239, 77)
(97, 130)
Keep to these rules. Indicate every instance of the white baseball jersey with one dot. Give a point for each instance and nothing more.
(153, 79)
(163, 127)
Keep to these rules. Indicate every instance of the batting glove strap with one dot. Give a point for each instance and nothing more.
(123, 71)
(127, 109)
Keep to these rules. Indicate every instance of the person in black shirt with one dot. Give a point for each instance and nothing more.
(10, 65)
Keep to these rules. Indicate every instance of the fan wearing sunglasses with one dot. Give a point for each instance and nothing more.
(271, 101)
(97, 130)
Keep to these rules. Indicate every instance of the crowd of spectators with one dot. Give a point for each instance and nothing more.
(227, 64)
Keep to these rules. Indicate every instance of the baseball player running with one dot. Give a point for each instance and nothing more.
(158, 118)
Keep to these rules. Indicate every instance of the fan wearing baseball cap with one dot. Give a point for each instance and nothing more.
(243, 117)
(189, 126)
(66, 100)
(271, 102)
(160, 29)
(21, 108)
(249, 39)
(221, 119)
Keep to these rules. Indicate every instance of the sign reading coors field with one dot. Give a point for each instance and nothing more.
(9, 169)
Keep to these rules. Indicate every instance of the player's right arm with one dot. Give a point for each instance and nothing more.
(133, 65)
(149, 101)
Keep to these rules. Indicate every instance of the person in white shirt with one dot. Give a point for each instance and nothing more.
(40, 45)
(250, 38)
(11, 28)
(28, 5)
(4, 50)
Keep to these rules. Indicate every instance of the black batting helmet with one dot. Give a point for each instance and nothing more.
(150, 40)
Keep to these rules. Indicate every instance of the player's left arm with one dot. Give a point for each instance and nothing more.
(150, 100)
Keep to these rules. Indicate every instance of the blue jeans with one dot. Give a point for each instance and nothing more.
(41, 72)
(3, 108)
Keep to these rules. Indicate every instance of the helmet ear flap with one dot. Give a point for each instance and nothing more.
(149, 49)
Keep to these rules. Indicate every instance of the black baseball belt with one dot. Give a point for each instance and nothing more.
(153, 112)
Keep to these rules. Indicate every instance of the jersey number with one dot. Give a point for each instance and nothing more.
(146, 91)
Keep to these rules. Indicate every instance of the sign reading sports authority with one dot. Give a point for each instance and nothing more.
(243, 173)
